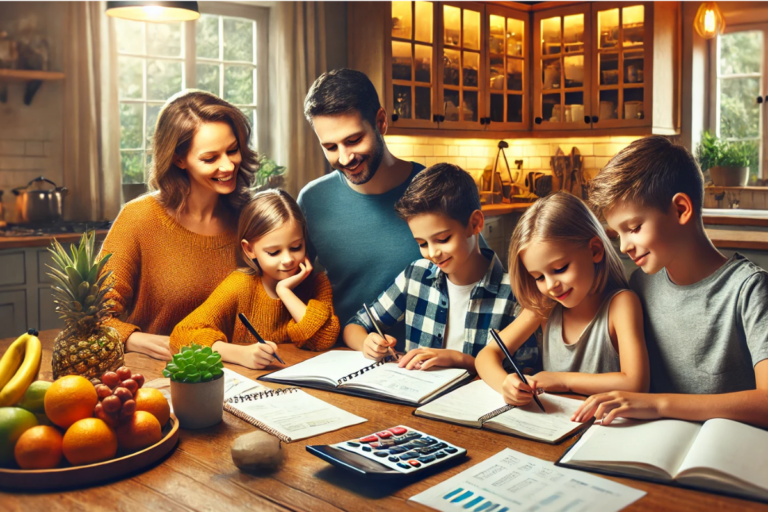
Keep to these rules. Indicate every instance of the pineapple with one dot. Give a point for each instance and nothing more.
(85, 346)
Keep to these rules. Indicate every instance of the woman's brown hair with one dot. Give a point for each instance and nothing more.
(176, 125)
(264, 213)
(560, 217)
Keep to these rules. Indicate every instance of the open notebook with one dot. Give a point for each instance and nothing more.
(480, 406)
(350, 372)
(720, 456)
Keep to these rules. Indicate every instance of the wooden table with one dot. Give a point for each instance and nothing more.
(200, 475)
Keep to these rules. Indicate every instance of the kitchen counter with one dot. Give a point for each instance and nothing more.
(13, 242)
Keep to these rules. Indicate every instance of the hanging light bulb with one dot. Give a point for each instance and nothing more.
(709, 20)
(154, 11)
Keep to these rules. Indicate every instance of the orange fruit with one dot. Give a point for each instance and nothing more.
(153, 401)
(141, 431)
(70, 399)
(89, 440)
(39, 448)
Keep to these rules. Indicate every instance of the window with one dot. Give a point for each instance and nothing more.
(223, 52)
(738, 68)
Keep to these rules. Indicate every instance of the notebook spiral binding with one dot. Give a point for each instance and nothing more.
(495, 413)
(250, 419)
(364, 369)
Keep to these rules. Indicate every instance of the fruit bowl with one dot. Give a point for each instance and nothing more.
(82, 476)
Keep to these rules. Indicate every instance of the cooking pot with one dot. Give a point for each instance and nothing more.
(33, 204)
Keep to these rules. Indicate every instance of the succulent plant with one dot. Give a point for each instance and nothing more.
(194, 364)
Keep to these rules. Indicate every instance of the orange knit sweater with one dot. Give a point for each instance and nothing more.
(216, 319)
(162, 270)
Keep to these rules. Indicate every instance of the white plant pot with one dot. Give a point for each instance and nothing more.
(198, 405)
(729, 176)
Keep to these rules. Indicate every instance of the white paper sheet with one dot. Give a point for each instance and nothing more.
(512, 481)
(547, 426)
(466, 404)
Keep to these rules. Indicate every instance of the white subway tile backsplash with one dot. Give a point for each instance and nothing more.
(423, 150)
(11, 147)
(33, 148)
(453, 151)
(466, 151)
(419, 160)
(441, 150)
(12, 163)
(401, 150)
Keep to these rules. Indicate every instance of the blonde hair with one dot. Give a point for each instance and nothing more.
(560, 217)
(176, 125)
(264, 213)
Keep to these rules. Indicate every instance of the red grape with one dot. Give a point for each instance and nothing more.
(131, 385)
(103, 391)
(139, 378)
(111, 404)
(123, 394)
(110, 379)
(98, 408)
(123, 373)
(107, 418)
(128, 409)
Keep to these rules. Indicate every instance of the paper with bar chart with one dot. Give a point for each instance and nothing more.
(512, 481)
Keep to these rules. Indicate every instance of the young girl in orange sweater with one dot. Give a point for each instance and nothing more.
(276, 290)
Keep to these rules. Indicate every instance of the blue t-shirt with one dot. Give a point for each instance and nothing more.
(359, 239)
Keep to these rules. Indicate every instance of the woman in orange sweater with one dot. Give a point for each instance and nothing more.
(276, 290)
(171, 248)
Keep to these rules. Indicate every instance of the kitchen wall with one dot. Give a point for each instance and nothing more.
(31, 136)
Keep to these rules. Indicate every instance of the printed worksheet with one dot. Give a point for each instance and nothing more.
(236, 385)
(512, 481)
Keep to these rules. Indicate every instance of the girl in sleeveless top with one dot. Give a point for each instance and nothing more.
(569, 280)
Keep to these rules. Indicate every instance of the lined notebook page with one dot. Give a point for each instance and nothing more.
(329, 366)
(236, 385)
(466, 404)
(532, 421)
(411, 385)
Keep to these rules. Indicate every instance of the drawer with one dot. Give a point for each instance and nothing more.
(44, 258)
(12, 268)
(13, 313)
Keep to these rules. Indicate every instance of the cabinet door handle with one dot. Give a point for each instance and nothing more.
(395, 117)
(595, 119)
(587, 119)
(759, 99)
(442, 119)
(537, 120)
(435, 118)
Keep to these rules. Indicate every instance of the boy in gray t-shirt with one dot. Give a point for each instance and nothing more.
(705, 323)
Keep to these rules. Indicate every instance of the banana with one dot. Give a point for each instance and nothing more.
(17, 386)
(12, 358)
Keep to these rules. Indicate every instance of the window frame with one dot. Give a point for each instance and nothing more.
(714, 82)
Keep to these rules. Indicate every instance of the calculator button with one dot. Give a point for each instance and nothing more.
(381, 454)
(414, 463)
(413, 435)
(428, 458)
(369, 439)
(375, 445)
(386, 442)
(420, 442)
(352, 443)
(409, 455)
(440, 455)
(438, 446)
(398, 430)
(400, 440)
(403, 465)
(449, 449)
(428, 450)
(366, 448)
(399, 449)
(394, 459)
(384, 435)
(430, 441)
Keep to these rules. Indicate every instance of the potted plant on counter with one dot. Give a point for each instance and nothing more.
(197, 386)
(727, 162)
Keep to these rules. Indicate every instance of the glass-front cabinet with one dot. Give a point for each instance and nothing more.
(622, 45)
(507, 65)
(562, 55)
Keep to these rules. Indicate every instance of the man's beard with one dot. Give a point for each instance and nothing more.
(371, 163)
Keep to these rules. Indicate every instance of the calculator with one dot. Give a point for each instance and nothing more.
(395, 452)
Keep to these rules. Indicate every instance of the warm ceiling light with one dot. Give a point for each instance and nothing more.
(160, 12)
(709, 20)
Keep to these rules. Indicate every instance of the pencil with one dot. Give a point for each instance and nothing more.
(378, 330)
(504, 349)
(256, 335)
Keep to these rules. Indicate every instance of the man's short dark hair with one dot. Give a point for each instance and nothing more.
(442, 188)
(648, 172)
(342, 91)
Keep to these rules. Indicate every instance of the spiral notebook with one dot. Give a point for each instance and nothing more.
(349, 372)
(290, 414)
(479, 405)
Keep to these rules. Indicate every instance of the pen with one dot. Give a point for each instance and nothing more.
(504, 349)
(248, 326)
(376, 326)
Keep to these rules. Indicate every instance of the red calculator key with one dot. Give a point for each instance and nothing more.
(414, 463)
(384, 435)
(375, 445)
(398, 430)
(369, 439)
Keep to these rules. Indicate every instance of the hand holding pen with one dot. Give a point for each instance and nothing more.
(256, 335)
(374, 352)
(520, 375)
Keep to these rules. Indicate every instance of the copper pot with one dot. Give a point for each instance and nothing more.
(34, 204)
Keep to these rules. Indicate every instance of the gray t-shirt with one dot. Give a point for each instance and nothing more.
(705, 338)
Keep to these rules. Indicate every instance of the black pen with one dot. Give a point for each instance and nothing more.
(248, 326)
(504, 349)
(376, 326)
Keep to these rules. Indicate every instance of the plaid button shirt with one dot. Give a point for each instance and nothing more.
(420, 296)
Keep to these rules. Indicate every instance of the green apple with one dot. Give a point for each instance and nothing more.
(34, 398)
(14, 421)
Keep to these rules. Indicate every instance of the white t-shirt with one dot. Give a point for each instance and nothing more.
(458, 300)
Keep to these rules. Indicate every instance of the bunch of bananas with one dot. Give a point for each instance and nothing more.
(19, 367)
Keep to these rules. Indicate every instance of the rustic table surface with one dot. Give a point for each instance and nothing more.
(199, 473)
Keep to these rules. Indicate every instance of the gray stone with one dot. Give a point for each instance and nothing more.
(257, 451)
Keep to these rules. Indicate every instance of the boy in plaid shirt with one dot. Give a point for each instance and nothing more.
(451, 298)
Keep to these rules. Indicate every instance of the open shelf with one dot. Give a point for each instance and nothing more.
(26, 75)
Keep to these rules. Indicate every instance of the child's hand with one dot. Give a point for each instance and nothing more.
(550, 381)
(259, 355)
(517, 392)
(424, 358)
(375, 347)
(305, 268)
(619, 404)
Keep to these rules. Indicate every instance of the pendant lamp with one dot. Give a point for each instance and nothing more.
(160, 12)
(709, 20)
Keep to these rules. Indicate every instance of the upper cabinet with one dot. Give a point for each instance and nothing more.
(480, 68)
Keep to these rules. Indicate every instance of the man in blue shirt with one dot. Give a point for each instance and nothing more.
(353, 228)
